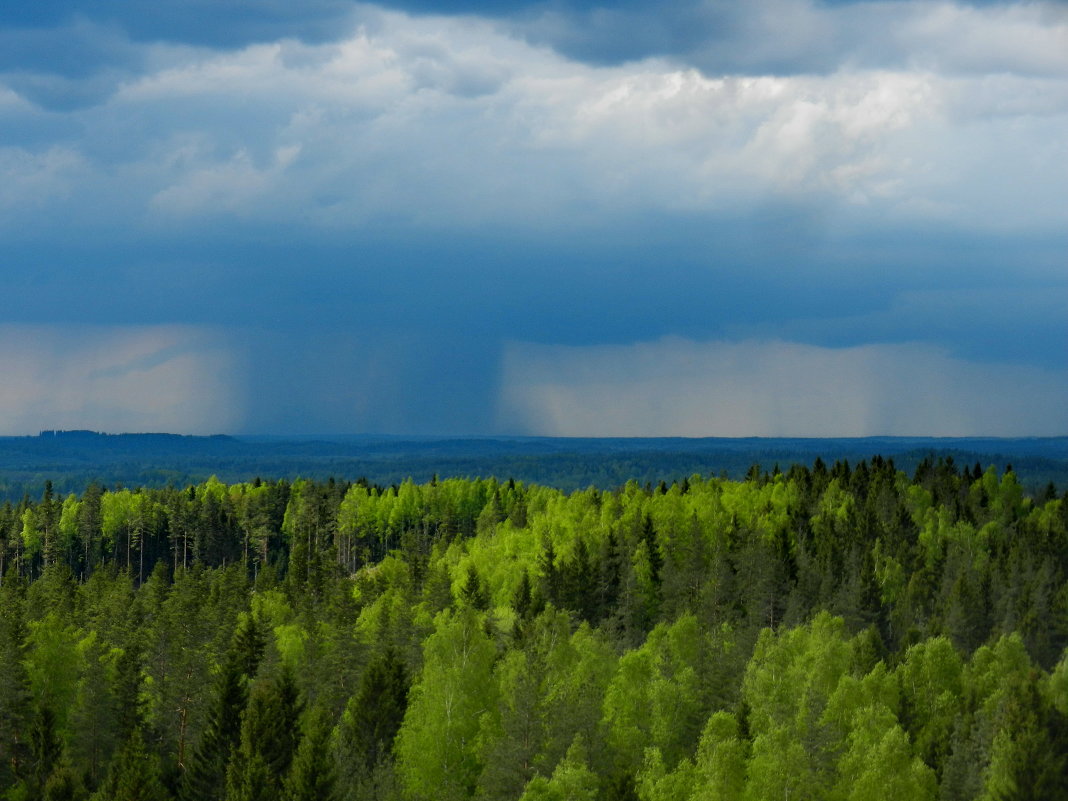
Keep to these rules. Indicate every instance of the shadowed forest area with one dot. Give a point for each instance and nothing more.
(845, 632)
(72, 460)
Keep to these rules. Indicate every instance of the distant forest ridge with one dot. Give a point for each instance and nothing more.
(72, 460)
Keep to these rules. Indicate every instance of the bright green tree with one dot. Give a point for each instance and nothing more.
(572, 780)
(437, 746)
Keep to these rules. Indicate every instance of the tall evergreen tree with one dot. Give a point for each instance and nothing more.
(312, 776)
(134, 775)
(269, 736)
(15, 708)
(205, 779)
(372, 719)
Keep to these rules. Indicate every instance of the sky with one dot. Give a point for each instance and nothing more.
(702, 218)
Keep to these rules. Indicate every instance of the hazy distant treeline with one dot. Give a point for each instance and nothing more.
(72, 460)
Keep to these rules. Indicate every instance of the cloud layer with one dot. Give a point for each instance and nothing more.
(443, 122)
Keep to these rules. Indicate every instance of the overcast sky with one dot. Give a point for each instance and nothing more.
(774, 217)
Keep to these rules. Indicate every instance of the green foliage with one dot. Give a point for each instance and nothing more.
(134, 775)
(206, 776)
(15, 694)
(655, 697)
(437, 746)
(371, 720)
(932, 680)
(880, 764)
(721, 759)
(835, 634)
(312, 776)
(269, 730)
(572, 780)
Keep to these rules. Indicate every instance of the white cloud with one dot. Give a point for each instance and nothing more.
(30, 180)
(675, 387)
(117, 379)
(227, 187)
(452, 121)
(1027, 38)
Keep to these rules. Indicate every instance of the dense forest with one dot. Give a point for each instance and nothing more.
(843, 633)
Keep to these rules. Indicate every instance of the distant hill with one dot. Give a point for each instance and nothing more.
(73, 459)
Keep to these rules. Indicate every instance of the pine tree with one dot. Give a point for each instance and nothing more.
(205, 779)
(373, 717)
(134, 774)
(312, 776)
(269, 735)
(473, 593)
(14, 683)
(88, 524)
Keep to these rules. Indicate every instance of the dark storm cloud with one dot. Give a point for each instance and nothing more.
(231, 23)
(71, 39)
(359, 219)
(701, 281)
(787, 36)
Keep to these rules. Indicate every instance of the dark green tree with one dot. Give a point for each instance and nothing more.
(312, 776)
(205, 780)
(15, 710)
(134, 774)
(372, 719)
(269, 736)
(472, 592)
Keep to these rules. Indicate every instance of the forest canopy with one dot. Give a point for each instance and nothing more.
(842, 632)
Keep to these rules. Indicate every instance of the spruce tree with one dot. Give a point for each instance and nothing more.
(134, 774)
(269, 737)
(473, 592)
(45, 747)
(522, 599)
(312, 776)
(14, 684)
(373, 717)
(205, 780)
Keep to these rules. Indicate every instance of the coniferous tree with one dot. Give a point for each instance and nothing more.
(88, 523)
(205, 779)
(269, 737)
(134, 775)
(44, 748)
(64, 784)
(551, 582)
(522, 600)
(944, 661)
(472, 592)
(15, 709)
(372, 719)
(312, 776)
